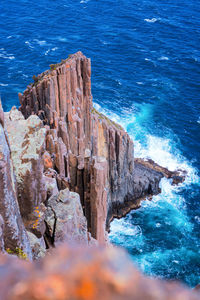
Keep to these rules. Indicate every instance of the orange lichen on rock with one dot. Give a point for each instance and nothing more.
(48, 163)
(86, 290)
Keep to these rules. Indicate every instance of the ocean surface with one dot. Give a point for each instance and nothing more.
(146, 76)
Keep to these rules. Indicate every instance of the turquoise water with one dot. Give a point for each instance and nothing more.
(145, 75)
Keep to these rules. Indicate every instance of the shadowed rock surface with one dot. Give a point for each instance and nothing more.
(83, 274)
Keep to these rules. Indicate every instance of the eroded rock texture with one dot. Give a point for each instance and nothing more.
(14, 233)
(83, 274)
(91, 155)
(65, 220)
(85, 151)
(27, 144)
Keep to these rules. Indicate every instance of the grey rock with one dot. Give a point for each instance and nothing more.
(37, 245)
(65, 220)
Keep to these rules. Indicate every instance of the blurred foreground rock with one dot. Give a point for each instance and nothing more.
(79, 273)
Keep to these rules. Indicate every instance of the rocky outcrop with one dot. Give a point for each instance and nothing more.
(14, 233)
(79, 140)
(177, 176)
(83, 274)
(85, 151)
(65, 220)
(27, 144)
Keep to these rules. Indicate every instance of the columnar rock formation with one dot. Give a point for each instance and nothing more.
(90, 154)
(65, 171)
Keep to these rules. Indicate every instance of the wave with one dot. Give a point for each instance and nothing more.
(163, 58)
(153, 20)
(159, 233)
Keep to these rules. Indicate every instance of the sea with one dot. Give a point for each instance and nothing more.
(146, 76)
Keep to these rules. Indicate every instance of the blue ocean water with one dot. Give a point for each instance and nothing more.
(145, 75)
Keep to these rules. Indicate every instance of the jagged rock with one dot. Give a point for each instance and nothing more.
(76, 133)
(177, 176)
(65, 220)
(27, 144)
(37, 245)
(14, 233)
(51, 186)
(83, 273)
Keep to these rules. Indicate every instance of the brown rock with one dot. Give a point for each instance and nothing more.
(76, 133)
(98, 198)
(65, 220)
(83, 274)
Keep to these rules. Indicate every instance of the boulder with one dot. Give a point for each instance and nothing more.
(65, 220)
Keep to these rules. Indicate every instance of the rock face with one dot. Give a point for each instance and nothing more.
(65, 220)
(85, 151)
(14, 233)
(92, 155)
(27, 144)
(83, 274)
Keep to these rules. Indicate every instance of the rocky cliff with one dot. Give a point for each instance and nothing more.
(65, 172)
(85, 151)
(66, 169)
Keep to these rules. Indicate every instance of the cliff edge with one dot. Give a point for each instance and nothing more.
(68, 169)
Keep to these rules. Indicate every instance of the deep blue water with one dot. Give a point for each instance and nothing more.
(145, 75)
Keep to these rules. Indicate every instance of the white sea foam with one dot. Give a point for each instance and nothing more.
(161, 150)
(3, 84)
(29, 44)
(84, 1)
(50, 50)
(62, 39)
(153, 20)
(4, 54)
(41, 43)
(163, 58)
